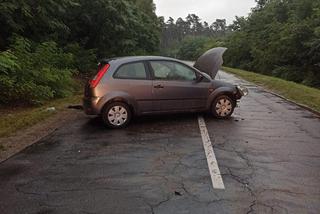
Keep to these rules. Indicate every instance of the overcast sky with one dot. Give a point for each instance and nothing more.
(207, 10)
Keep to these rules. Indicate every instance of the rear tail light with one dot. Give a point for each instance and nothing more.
(102, 69)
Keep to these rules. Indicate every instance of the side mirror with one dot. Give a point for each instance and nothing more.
(199, 78)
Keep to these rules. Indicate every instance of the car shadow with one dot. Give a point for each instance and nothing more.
(160, 123)
(96, 123)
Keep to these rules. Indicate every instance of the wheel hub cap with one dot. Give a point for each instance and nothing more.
(223, 107)
(117, 115)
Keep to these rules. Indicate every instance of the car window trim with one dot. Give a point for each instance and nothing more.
(164, 60)
(148, 75)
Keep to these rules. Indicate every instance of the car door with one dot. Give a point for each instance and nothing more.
(134, 80)
(175, 87)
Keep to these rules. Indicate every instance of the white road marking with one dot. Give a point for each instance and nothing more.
(214, 170)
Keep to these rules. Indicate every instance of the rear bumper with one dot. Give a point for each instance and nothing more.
(90, 105)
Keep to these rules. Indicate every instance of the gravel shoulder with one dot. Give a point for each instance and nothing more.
(20, 140)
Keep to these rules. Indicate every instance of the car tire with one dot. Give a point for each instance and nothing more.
(223, 106)
(116, 115)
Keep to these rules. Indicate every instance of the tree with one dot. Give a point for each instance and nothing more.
(278, 38)
(36, 20)
(219, 27)
(44, 43)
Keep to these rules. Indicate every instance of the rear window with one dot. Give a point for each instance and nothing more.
(131, 71)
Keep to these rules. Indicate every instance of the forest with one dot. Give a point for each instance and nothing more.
(46, 45)
(278, 38)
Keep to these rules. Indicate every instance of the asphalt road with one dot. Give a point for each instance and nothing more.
(268, 154)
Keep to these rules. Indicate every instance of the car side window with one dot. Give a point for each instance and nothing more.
(131, 71)
(166, 70)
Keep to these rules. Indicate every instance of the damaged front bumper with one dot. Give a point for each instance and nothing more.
(241, 91)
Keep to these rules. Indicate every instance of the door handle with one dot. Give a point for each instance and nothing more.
(158, 86)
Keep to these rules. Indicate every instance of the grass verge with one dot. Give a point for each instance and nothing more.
(293, 91)
(14, 119)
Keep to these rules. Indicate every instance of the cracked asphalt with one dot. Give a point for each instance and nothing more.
(268, 154)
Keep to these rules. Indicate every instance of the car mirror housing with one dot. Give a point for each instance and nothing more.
(199, 78)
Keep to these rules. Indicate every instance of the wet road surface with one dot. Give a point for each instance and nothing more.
(268, 154)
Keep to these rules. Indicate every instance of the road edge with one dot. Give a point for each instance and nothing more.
(35, 133)
(317, 113)
(293, 102)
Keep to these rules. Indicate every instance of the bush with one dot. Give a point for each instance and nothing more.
(85, 61)
(192, 48)
(32, 73)
(291, 73)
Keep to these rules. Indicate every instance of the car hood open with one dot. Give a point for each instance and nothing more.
(210, 62)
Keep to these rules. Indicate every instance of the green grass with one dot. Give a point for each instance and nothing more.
(293, 91)
(14, 119)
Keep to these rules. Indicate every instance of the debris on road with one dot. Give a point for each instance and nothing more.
(78, 107)
(51, 109)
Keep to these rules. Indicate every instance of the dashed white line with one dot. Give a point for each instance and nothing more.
(214, 170)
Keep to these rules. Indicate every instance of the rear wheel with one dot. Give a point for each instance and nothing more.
(116, 115)
(223, 106)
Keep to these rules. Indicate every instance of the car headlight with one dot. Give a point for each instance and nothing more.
(243, 90)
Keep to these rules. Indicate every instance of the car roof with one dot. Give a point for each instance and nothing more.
(128, 59)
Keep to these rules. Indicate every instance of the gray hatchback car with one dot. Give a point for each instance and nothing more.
(131, 86)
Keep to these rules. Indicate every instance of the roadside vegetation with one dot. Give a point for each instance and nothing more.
(18, 118)
(49, 48)
(299, 93)
(44, 45)
(32, 73)
(278, 38)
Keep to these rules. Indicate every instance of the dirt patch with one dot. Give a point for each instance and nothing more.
(22, 139)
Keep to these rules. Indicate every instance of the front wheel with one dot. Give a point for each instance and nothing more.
(223, 106)
(116, 115)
